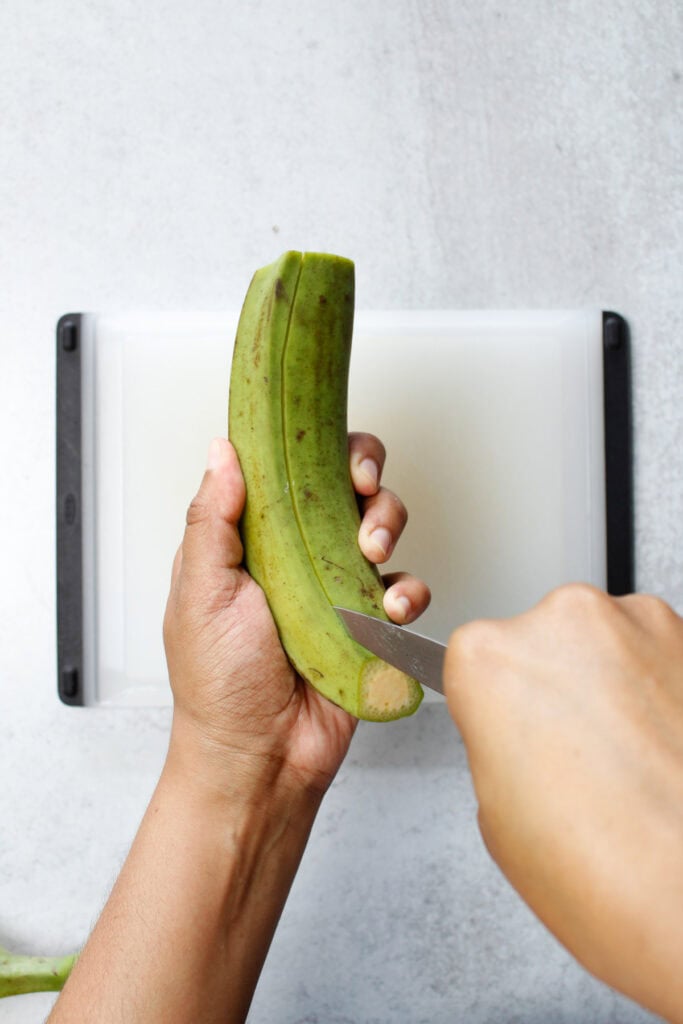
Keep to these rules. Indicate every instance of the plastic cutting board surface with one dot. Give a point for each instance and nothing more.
(494, 427)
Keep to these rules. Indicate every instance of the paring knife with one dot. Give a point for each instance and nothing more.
(418, 656)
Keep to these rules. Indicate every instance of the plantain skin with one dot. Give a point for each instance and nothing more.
(287, 420)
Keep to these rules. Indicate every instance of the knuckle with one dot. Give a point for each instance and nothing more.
(385, 507)
(473, 658)
(473, 641)
(400, 511)
(197, 511)
(577, 597)
(394, 506)
(659, 607)
(652, 608)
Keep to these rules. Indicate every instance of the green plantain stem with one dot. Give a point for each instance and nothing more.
(20, 974)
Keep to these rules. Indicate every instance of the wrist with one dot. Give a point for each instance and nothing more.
(232, 778)
(228, 814)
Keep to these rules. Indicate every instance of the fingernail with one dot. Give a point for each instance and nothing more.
(382, 540)
(402, 608)
(371, 470)
(216, 454)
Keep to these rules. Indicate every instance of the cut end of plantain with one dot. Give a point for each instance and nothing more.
(387, 693)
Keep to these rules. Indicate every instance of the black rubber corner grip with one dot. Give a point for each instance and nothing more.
(618, 454)
(69, 526)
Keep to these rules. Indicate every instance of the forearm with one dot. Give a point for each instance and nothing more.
(188, 924)
(572, 715)
(614, 899)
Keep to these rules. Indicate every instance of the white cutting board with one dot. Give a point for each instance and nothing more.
(493, 422)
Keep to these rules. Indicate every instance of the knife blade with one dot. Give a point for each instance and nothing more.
(419, 656)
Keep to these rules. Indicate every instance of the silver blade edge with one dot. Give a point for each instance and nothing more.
(419, 656)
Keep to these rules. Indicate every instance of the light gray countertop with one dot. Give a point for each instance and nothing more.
(470, 154)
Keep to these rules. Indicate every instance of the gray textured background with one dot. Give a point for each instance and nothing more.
(471, 154)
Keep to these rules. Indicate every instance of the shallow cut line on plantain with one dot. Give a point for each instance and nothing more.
(283, 406)
(286, 420)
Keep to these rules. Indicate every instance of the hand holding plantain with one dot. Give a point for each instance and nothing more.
(237, 698)
(253, 748)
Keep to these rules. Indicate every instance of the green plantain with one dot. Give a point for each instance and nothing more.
(287, 420)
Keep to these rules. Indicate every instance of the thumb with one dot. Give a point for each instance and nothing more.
(211, 539)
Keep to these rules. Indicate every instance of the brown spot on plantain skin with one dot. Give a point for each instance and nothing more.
(322, 299)
(328, 561)
(280, 292)
(300, 435)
